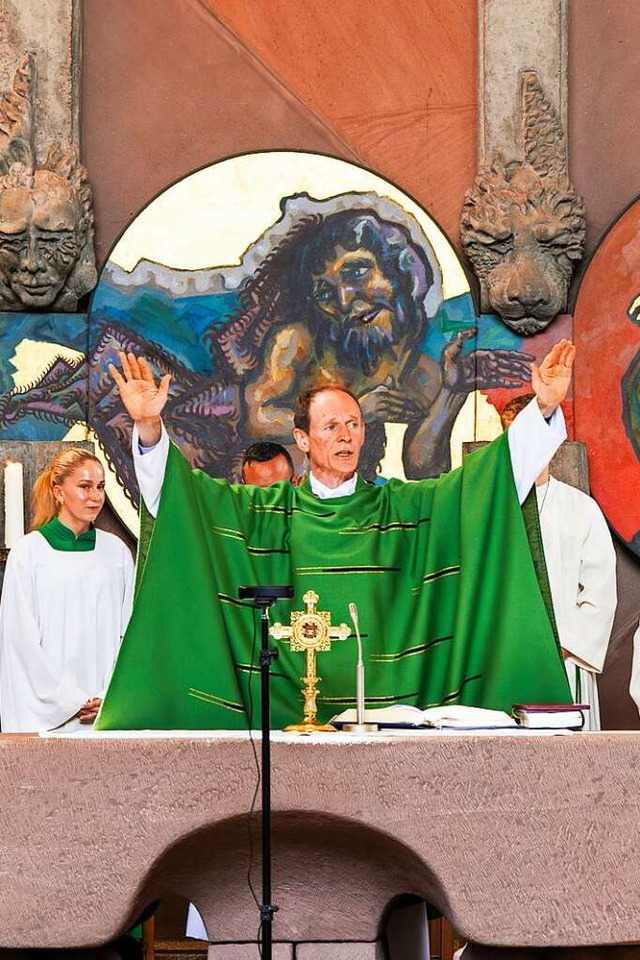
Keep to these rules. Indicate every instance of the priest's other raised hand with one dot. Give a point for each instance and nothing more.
(143, 398)
(550, 380)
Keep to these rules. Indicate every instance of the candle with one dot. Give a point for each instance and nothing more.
(13, 504)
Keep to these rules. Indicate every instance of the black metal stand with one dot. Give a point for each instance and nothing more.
(262, 598)
(267, 909)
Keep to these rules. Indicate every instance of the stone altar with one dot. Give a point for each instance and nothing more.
(519, 840)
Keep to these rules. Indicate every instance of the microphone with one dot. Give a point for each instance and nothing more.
(353, 613)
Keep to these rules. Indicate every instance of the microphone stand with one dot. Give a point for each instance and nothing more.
(262, 598)
(267, 909)
(361, 725)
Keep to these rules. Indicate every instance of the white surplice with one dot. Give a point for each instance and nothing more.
(62, 617)
(581, 563)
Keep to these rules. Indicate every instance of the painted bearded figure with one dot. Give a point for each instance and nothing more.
(353, 294)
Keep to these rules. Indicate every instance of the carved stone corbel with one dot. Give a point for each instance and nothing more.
(522, 224)
(47, 258)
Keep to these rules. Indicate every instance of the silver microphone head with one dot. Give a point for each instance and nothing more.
(353, 613)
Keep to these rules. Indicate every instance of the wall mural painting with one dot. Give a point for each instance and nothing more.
(260, 275)
(607, 384)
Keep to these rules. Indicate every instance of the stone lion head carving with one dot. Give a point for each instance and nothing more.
(46, 219)
(522, 224)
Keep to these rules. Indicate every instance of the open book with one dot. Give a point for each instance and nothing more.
(455, 716)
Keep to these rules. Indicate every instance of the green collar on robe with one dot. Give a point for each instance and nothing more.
(62, 538)
(441, 571)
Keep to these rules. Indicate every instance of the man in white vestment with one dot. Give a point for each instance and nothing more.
(581, 563)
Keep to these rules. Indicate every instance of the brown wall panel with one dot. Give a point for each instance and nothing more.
(396, 81)
(604, 124)
(167, 89)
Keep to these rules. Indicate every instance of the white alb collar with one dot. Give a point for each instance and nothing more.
(329, 493)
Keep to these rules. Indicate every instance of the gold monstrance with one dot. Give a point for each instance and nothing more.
(310, 632)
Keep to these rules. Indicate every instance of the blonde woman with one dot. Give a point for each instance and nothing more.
(65, 602)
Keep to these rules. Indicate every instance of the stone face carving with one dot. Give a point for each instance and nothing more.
(522, 224)
(46, 220)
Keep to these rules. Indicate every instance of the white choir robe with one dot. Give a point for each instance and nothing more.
(581, 563)
(62, 618)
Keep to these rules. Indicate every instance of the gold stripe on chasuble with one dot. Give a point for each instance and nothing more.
(288, 511)
(451, 571)
(320, 571)
(265, 551)
(225, 598)
(456, 693)
(265, 508)
(255, 668)
(216, 701)
(387, 527)
(393, 698)
(232, 534)
(229, 532)
(409, 652)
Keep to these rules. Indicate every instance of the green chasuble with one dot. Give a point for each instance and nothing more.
(449, 605)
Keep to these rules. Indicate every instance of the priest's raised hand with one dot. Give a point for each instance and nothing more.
(550, 380)
(143, 398)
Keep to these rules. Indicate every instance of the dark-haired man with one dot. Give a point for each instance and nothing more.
(264, 463)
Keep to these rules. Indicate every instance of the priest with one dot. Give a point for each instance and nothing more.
(442, 571)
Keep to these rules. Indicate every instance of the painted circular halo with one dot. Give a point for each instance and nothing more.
(216, 272)
(607, 405)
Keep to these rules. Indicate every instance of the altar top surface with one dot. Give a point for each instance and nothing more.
(519, 839)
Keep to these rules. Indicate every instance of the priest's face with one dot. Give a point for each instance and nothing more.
(81, 496)
(335, 437)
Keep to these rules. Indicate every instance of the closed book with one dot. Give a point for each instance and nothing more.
(551, 716)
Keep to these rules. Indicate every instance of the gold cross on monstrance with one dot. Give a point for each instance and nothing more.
(310, 632)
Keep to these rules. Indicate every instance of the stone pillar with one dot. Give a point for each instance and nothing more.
(524, 277)
(515, 36)
(51, 32)
(42, 181)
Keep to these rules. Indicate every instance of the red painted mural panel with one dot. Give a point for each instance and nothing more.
(606, 383)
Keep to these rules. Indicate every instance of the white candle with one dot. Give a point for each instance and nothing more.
(13, 504)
